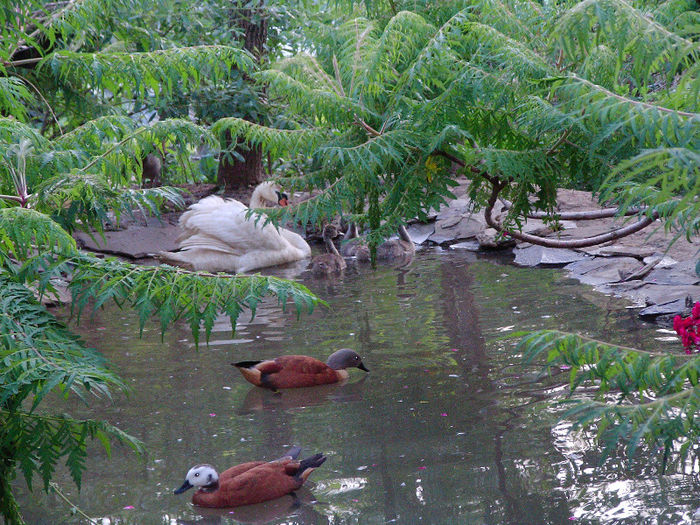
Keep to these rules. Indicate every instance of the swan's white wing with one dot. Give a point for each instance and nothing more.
(208, 207)
(222, 225)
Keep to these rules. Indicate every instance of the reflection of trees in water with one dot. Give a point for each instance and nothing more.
(519, 504)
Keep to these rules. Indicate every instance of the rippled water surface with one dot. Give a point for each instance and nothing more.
(448, 427)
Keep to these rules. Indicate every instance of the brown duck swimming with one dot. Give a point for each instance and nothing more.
(292, 371)
(331, 262)
(249, 483)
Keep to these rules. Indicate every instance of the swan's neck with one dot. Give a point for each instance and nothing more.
(257, 200)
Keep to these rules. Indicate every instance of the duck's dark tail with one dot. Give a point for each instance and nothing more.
(308, 465)
(292, 453)
(246, 364)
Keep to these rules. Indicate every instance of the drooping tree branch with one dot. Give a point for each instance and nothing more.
(586, 215)
(498, 185)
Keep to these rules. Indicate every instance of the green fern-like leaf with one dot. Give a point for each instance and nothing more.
(657, 394)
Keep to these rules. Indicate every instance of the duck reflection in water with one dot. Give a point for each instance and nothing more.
(259, 399)
(297, 507)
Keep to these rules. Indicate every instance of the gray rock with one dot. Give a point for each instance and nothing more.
(489, 240)
(660, 261)
(460, 227)
(419, 232)
(660, 294)
(61, 296)
(618, 250)
(135, 241)
(457, 207)
(669, 308)
(601, 270)
(536, 255)
(671, 277)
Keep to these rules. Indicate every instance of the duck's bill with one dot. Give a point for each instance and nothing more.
(185, 486)
(363, 367)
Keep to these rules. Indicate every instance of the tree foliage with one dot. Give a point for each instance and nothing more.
(81, 88)
(642, 398)
(525, 97)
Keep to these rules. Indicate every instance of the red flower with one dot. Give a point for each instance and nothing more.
(688, 329)
(695, 313)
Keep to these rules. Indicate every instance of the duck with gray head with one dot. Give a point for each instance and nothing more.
(293, 371)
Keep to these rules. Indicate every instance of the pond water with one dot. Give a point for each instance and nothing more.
(448, 427)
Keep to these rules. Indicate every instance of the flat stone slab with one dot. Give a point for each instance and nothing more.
(420, 232)
(671, 277)
(618, 250)
(457, 221)
(464, 228)
(136, 241)
(61, 296)
(601, 270)
(644, 295)
(536, 255)
(661, 261)
(669, 308)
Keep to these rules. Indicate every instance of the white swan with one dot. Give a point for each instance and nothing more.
(217, 237)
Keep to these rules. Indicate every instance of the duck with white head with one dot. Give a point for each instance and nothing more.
(251, 482)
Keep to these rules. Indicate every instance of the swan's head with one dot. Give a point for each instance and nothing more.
(202, 477)
(268, 191)
(345, 358)
(282, 198)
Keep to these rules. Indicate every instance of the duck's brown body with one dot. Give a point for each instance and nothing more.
(290, 371)
(254, 482)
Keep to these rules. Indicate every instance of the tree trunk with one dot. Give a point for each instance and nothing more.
(233, 172)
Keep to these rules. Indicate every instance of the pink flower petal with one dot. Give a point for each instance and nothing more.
(212, 415)
(129, 507)
(453, 350)
(422, 468)
(444, 414)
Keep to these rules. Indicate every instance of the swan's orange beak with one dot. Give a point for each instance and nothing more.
(282, 199)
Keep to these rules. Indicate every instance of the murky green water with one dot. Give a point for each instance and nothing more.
(447, 428)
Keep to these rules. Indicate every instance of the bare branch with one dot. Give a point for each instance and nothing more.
(498, 185)
(369, 129)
